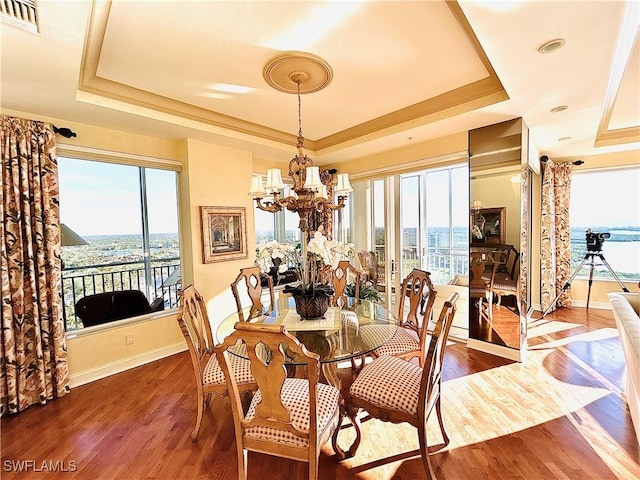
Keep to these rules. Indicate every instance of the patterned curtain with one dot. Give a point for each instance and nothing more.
(33, 362)
(555, 242)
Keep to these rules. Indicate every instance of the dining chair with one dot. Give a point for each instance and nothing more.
(340, 277)
(287, 417)
(373, 272)
(251, 278)
(414, 313)
(483, 271)
(210, 380)
(394, 390)
(506, 280)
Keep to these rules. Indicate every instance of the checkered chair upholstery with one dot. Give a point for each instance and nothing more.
(395, 390)
(196, 329)
(414, 312)
(287, 417)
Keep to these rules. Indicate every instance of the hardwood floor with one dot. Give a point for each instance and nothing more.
(560, 414)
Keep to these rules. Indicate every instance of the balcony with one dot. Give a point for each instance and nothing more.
(78, 282)
(442, 263)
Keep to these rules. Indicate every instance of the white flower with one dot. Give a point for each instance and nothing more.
(267, 253)
(330, 251)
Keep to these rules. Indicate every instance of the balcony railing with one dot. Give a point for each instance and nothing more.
(442, 264)
(78, 282)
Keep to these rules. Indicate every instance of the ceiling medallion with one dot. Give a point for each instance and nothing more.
(291, 70)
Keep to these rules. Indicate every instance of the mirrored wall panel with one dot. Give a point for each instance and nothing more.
(496, 231)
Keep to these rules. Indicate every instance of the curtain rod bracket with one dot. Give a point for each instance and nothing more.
(65, 132)
(545, 159)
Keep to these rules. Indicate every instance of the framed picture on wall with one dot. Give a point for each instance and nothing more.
(224, 233)
(488, 226)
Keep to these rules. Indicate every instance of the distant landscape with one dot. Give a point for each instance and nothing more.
(103, 249)
(622, 250)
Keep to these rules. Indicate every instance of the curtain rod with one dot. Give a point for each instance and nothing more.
(545, 159)
(65, 132)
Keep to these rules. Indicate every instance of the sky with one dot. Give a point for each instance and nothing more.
(605, 198)
(98, 198)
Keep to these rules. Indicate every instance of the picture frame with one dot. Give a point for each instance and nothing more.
(491, 223)
(224, 233)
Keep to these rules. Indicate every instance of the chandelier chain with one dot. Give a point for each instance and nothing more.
(299, 111)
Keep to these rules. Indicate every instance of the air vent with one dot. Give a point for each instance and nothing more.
(20, 13)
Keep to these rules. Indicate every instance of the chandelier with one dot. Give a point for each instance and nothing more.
(312, 191)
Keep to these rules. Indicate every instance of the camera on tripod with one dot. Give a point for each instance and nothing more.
(595, 240)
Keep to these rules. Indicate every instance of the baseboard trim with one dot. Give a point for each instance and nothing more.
(497, 350)
(596, 305)
(108, 369)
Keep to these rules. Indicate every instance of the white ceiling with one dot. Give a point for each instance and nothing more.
(402, 72)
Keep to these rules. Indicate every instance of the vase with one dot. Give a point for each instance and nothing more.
(311, 307)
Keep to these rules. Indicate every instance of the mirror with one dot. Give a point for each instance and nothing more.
(496, 233)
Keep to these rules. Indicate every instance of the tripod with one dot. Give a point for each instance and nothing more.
(588, 256)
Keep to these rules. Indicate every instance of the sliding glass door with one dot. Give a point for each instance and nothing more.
(433, 222)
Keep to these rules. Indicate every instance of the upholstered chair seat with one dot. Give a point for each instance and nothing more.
(213, 374)
(295, 397)
(403, 340)
(390, 383)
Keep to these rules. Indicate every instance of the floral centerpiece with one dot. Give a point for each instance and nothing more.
(313, 292)
(477, 233)
(277, 259)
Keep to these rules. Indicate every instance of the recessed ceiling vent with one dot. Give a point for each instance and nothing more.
(20, 13)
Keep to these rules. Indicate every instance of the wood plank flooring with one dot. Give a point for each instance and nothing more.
(560, 414)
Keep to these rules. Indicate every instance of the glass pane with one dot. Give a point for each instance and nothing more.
(460, 221)
(438, 220)
(264, 226)
(410, 224)
(606, 210)
(164, 242)
(378, 220)
(102, 204)
(292, 232)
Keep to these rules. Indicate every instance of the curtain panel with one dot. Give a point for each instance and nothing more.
(33, 362)
(555, 251)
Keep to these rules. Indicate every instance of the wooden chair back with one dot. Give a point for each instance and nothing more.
(271, 343)
(374, 272)
(483, 273)
(431, 381)
(194, 323)
(341, 276)
(250, 279)
(418, 291)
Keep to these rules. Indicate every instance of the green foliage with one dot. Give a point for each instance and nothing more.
(367, 292)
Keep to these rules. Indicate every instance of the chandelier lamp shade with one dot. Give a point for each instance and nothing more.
(313, 191)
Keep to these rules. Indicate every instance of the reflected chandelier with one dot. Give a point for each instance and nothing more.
(310, 192)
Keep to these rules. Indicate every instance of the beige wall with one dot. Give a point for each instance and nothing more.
(214, 176)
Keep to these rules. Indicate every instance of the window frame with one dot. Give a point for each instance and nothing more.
(143, 163)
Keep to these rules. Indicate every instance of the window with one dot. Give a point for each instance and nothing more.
(606, 201)
(126, 223)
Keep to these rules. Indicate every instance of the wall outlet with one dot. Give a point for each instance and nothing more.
(128, 339)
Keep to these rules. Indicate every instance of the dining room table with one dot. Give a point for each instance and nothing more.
(344, 334)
